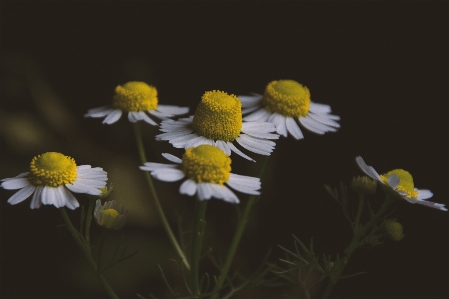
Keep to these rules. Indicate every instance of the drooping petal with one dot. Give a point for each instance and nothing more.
(293, 128)
(15, 183)
(256, 145)
(22, 194)
(174, 110)
(424, 194)
(168, 174)
(188, 187)
(238, 152)
(368, 170)
(113, 116)
(280, 122)
(172, 158)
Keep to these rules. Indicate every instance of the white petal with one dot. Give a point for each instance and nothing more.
(99, 112)
(260, 129)
(424, 194)
(69, 200)
(249, 181)
(293, 128)
(150, 166)
(280, 122)
(258, 115)
(238, 152)
(312, 125)
(147, 119)
(21, 195)
(325, 119)
(393, 181)
(172, 158)
(241, 185)
(223, 146)
(256, 145)
(168, 174)
(133, 116)
(204, 191)
(319, 108)
(250, 101)
(188, 187)
(175, 110)
(198, 141)
(434, 205)
(229, 196)
(15, 183)
(36, 199)
(113, 116)
(368, 170)
(49, 195)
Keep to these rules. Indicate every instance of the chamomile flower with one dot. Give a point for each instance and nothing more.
(51, 178)
(218, 122)
(206, 169)
(285, 103)
(140, 101)
(401, 182)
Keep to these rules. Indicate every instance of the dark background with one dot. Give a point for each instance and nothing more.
(383, 67)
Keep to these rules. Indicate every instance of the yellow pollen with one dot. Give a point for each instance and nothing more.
(135, 96)
(206, 164)
(405, 182)
(218, 116)
(108, 217)
(52, 169)
(286, 97)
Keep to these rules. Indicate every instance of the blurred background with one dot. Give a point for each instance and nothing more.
(382, 67)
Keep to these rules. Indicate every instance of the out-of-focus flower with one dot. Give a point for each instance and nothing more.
(111, 214)
(401, 182)
(140, 101)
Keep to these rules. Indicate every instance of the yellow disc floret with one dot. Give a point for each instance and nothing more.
(206, 164)
(287, 97)
(135, 96)
(52, 169)
(108, 217)
(405, 182)
(218, 116)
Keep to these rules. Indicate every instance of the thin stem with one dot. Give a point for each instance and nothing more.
(237, 237)
(197, 239)
(157, 203)
(89, 214)
(355, 243)
(85, 248)
(359, 213)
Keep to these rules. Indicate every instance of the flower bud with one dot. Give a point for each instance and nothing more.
(364, 185)
(394, 229)
(111, 214)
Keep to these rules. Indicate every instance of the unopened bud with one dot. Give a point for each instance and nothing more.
(394, 229)
(364, 185)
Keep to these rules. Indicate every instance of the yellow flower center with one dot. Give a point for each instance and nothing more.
(206, 164)
(135, 96)
(108, 217)
(218, 116)
(405, 182)
(52, 169)
(286, 97)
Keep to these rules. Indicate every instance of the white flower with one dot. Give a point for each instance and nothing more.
(206, 169)
(218, 122)
(401, 181)
(138, 99)
(51, 178)
(285, 103)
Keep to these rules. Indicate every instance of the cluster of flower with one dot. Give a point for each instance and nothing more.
(209, 137)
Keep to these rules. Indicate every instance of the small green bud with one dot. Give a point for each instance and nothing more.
(364, 185)
(111, 214)
(394, 229)
(105, 191)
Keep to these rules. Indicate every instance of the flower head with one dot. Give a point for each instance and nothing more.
(286, 102)
(207, 170)
(50, 178)
(218, 122)
(140, 101)
(111, 214)
(401, 182)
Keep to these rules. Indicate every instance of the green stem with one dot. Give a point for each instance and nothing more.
(197, 239)
(89, 214)
(359, 213)
(85, 248)
(355, 243)
(157, 203)
(237, 237)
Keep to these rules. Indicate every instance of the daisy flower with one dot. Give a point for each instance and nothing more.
(206, 169)
(51, 178)
(401, 182)
(140, 101)
(286, 102)
(218, 122)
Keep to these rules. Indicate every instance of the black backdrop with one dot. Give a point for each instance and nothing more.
(383, 67)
